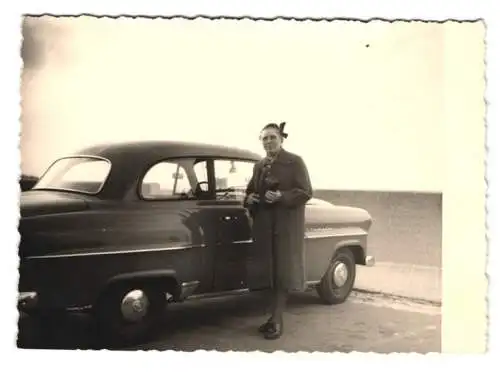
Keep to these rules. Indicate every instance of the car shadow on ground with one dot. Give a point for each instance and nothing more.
(77, 332)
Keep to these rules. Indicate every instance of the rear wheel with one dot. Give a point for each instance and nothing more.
(338, 281)
(128, 313)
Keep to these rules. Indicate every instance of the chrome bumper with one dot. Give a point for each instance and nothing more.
(27, 300)
(369, 261)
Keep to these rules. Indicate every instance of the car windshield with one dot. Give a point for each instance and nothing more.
(76, 174)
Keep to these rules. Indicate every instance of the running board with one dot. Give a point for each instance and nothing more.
(218, 294)
(309, 284)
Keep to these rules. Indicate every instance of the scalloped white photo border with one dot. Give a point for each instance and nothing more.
(76, 361)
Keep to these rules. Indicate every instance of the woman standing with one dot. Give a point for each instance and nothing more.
(276, 197)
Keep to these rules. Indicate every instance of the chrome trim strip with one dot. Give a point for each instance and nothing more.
(188, 288)
(26, 295)
(117, 252)
(243, 241)
(26, 300)
(309, 236)
(190, 283)
(79, 308)
(182, 247)
(313, 236)
(324, 235)
(333, 233)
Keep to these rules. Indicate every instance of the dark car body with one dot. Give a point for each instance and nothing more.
(80, 237)
(27, 182)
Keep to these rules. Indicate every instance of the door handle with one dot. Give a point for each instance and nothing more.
(228, 218)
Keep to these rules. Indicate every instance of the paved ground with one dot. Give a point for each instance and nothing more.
(365, 323)
(412, 281)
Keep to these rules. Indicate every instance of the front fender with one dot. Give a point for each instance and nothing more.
(321, 245)
(358, 249)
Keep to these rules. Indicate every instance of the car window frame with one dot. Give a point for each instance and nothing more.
(210, 163)
(77, 191)
(178, 159)
(234, 159)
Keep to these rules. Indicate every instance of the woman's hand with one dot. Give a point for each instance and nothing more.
(272, 197)
(253, 198)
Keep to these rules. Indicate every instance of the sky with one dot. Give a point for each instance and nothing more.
(363, 102)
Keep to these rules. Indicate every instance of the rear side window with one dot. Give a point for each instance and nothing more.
(174, 180)
(165, 180)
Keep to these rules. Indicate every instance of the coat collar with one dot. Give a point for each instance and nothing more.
(284, 157)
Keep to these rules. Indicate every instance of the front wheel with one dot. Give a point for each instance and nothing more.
(338, 281)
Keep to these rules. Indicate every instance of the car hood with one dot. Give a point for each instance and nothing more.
(35, 203)
(321, 213)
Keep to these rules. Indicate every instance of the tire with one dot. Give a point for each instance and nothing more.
(109, 312)
(328, 290)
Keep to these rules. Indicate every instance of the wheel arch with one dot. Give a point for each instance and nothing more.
(164, 278)
(355, 247)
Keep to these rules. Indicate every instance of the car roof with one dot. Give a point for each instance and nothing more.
(130, 159)
(146, 152)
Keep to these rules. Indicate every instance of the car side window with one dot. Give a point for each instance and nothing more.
(232, 177)
(166, 180)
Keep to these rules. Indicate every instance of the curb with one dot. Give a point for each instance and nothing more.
(415, 282)
(431, 302)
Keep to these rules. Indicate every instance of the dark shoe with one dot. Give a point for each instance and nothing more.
(275, 331)
(264, 328)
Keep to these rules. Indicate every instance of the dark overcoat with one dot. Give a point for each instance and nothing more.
(284, 251)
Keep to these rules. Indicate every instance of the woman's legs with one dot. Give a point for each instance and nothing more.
(273, 327)
(278, 303)
(279, 297)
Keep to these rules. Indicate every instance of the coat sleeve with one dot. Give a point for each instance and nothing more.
(302, 191)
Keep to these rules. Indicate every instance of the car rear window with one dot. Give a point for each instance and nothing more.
(77, 174)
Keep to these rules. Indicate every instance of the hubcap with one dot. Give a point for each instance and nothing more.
(134, 305)
(340, 274)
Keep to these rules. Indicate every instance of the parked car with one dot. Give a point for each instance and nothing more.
(121, 230)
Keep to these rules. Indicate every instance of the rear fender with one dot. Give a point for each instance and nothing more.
(165, 278)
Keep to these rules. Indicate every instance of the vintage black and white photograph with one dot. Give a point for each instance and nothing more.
(248, 185)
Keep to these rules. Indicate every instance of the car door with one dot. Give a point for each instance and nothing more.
(224, 225)
(228, 261)
(173, 217)
(236, 263)
(220, 223)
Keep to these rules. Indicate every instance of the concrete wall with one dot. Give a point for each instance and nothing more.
(406, 228)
